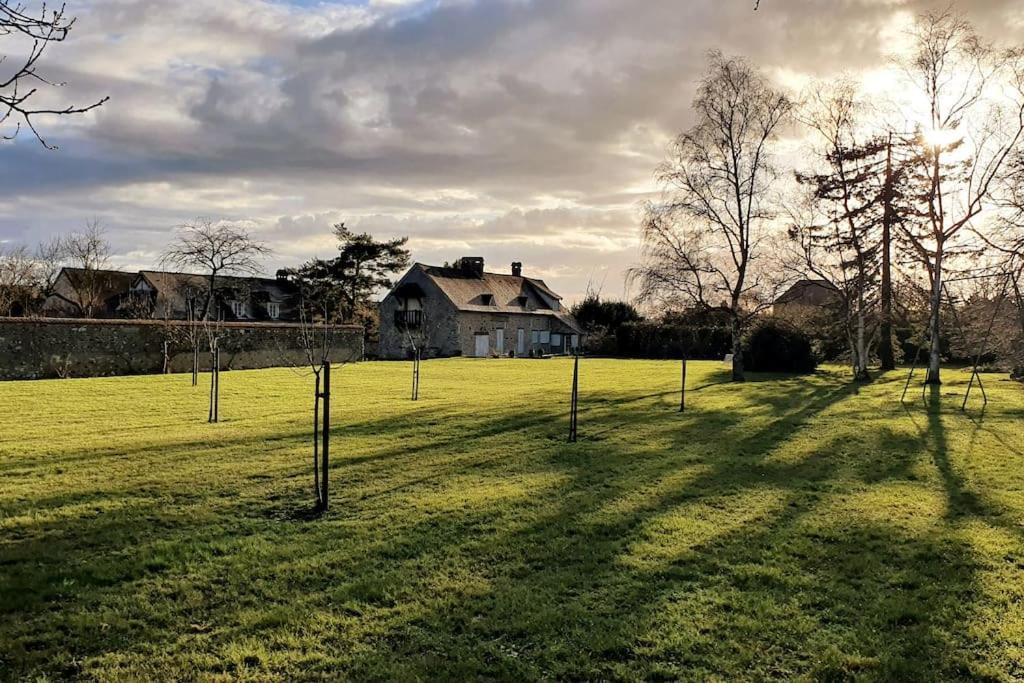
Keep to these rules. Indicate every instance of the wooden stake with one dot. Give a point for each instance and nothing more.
(325, 465)
(316, 443)
(574, 401)
(682, 390)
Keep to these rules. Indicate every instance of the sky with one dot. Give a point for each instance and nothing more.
(516, 130)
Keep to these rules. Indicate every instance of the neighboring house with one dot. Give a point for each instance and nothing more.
(172, 296)
(465, 311)
(80, 292)
(806, 299)
(169, 296)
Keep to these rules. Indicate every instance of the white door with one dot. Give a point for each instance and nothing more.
(520, 342)
(482, 345)
(499, 341)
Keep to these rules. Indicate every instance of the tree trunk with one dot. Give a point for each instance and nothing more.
(737, 351)
(326, 449)
(860, 370)
(885, 351)
(934, 347)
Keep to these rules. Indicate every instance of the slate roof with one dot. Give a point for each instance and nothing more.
(809, 293)
(510, 293)
(174, 286)
(112, 282)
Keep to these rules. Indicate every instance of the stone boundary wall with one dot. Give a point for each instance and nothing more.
(37, 348)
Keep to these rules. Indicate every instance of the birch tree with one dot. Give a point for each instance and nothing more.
(971, 111)
(703, 242)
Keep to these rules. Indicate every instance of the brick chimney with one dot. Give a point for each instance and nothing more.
(517, 268)
(472, 265)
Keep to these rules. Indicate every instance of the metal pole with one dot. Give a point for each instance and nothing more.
(326, 434)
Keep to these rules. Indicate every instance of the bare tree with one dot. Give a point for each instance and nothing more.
(35, 32)
(1006, 239)
(421, 333)
(214, 248)
(319, 307)
(702, 244)
(89, 252)
(49, 257)
(973, 115)
(18, 278)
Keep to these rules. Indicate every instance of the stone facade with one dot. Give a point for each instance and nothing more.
(444, 330)
(35, 348)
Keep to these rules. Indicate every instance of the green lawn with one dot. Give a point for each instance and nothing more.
(786, 527)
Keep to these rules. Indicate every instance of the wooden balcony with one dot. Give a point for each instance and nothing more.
(408, 319)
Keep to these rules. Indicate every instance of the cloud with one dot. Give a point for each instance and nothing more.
(515, 129)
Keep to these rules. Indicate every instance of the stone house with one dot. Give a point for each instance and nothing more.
(462, 310)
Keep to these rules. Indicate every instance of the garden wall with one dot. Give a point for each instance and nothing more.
(34, 348)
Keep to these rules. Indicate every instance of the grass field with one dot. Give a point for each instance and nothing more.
(786, 527)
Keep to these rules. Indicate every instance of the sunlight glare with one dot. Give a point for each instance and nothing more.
(942, 137)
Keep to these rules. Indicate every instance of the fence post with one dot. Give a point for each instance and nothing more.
(326, 434)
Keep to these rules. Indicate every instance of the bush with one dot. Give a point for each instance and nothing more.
(774, 346)
(693, 334)
(661, 340)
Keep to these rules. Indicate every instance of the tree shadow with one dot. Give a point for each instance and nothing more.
(720, 551)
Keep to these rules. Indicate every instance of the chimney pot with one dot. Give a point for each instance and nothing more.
(517, 268)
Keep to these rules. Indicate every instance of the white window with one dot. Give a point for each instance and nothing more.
(575, 340)
(545, 337)
(238, 308)
(534, 337)
(274, 310)
(556, 340)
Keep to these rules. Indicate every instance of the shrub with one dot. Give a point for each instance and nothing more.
(774, 346)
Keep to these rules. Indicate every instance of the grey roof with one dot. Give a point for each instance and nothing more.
(109, 282)
(510, 293)
(810, 293)
(174, 286)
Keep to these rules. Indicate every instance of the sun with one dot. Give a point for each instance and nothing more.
(941, 137)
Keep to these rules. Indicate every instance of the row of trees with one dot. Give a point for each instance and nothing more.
(338, 289)
(935, 204)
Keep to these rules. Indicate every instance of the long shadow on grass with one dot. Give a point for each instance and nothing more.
(602, 560)
(738, 597)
